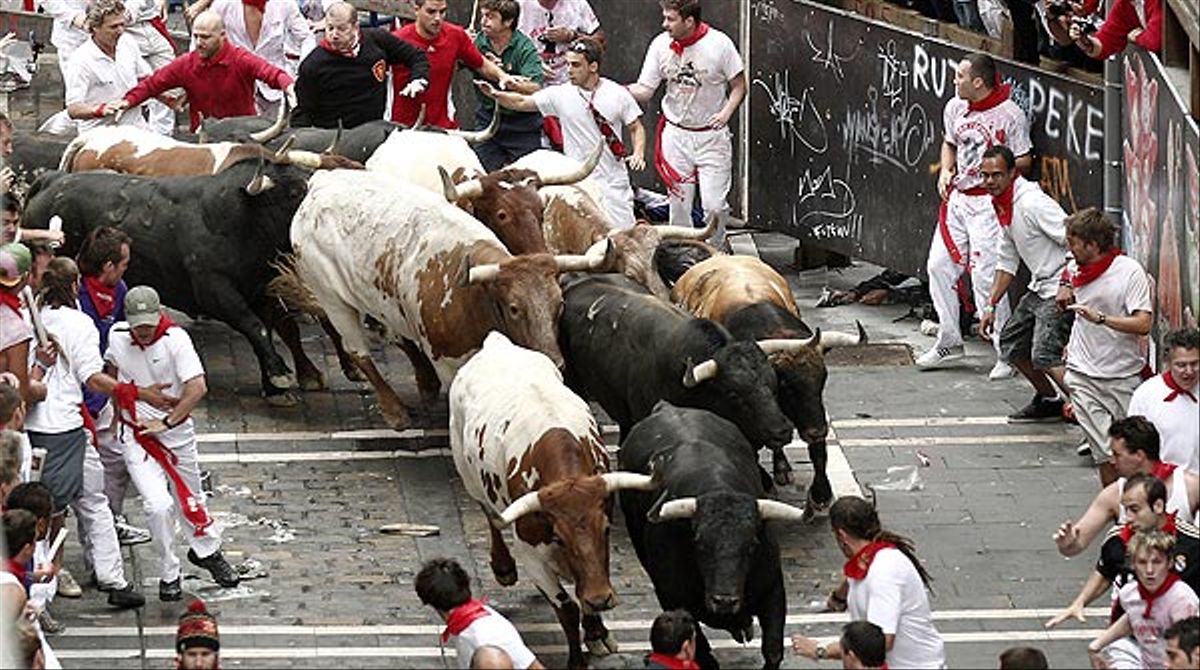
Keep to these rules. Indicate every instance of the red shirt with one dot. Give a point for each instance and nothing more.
(1122, 19)
(449, 47)
(216, 88)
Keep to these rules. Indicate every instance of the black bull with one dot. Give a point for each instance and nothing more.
(356, 143)
(716, 558)
(205, 243)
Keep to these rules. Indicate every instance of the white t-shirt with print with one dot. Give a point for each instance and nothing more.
(1176, 421)
(892, 596)
(172, 360)
(697, 79)
(973, 133)
(79, 343)
(1178, 603)
(496, 631)
(581, 133)
(536, 19)
(1095, 349)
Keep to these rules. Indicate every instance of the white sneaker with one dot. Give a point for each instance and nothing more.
(1001, 370)
(1083, 448)
(929, 328)
(938, 357)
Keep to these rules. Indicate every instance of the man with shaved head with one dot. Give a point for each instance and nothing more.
(218, 76)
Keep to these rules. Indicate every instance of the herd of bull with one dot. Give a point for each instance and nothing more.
(510, 289)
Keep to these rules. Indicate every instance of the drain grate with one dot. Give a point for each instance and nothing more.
(870, 355)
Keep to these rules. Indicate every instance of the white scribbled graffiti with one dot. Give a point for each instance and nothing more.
(798, 119)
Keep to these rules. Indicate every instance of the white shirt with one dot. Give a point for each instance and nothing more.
(972, 133)
(284, 32)
(697, 79)
(535, 19)
(1095, 349)
(13, 329)
(94, 78)
(496, 631)
(172, 360)
(80, 344)
(1178, 603)
(893, 597)
(1178, 421)
(1037, 236)
(581, 133)
(64, 35)
(1177, 497)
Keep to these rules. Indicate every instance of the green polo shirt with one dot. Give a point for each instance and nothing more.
(520, 57)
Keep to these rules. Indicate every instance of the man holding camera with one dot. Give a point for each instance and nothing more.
(1136, 21)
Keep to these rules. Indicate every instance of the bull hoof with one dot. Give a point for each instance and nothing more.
(286, 381)
(602, 646)
(505, 575)
(813, 503)
(353, 374)
(282, 400)
(396, 419)
(784, 477)
(312, 381)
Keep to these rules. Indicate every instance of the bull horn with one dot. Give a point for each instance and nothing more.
(304, 159)
(781, 346)
(283, 150)
(201, 135)
(616, 481)
(336, 139)
(273, 131)
(773, 510)
(815, 339)
(830, 340)
(680, 508)
(526, 504)
(478, 136)
(698, 373)
(420, 118)
(483, 273)
(668, 232)
(598, 256)
(260, 183)
(573, 176)
(468, 190)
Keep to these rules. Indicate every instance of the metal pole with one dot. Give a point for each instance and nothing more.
(1113, 174)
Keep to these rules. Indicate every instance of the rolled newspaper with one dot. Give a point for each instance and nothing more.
(55, 225)
(39, 329)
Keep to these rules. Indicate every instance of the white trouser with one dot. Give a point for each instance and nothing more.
(708, 154)
(112, 456)
(157, 52)
(162, 506)
(96, 531)
(974, 233)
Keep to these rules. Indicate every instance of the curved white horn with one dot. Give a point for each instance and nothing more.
(830, 340)
(420, 118)
(598, 257)
(201, 134)
(680, 508)
(572, 176)
(815, 339)
(669, 232)
(526, 504)
(304, 159)
(616, 481)
(336, 139)
(285, 148)
(260, 183)
(483, 273)
(773, 510)
(469, 190)
(273, 131)
(479, 136)
(781, 346)
(698, 373)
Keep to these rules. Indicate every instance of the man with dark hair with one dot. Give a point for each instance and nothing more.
(1023, 658)
(35, 497)
(1169, 400)
(1183, 644)
(863, 645)
(344, 80)
(1031, 232)
(1110, 295)
(981, 115)
(1134, 444)
(672, 641)
(10, 224)
(706, 82)
(443, 585)
(556, 25)
(500, 42)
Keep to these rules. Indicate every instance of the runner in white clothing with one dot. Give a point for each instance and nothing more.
(148, 29)
(102, 69)
(554, 25)
(1168, 400)
(980, 116)
(592, 110)
(706, 82)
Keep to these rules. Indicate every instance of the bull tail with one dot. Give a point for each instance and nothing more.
(291, 290)
(73, 148)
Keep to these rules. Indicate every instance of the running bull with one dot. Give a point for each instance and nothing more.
(531, 455)
(704, 539)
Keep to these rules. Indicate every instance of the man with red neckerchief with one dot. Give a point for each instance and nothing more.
(1169, 400)
(1110, 295)
(980, 116)
(673, 642)
(148, 349)
(444, 585)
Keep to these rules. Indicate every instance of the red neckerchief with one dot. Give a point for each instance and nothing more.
(11, 301)
(679, 45)
(1168, 527)
(103, 296)
(1000, 93)
(860, 563)
(1163, 471)
(670, 661)
(1176, 389)
(15, 569)
(462, 616)
(1004, 204)
(1089, 272)
(1151, 597)
(164, 323)
(352, 52)
(260, 5)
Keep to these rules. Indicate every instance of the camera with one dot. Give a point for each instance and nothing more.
(1085, 25)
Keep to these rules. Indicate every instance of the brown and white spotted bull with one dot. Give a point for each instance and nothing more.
(755, 303)
(433, 276)
(529, 452)
(140, 152)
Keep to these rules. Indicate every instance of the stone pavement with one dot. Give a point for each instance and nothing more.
(304, 491)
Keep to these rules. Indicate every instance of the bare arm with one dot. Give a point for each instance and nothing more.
(1093, 588)
(637, 134)
(949, 167)
(1118, 630)
(508, 99)
(15, 359)
(1137, 323)
(640, 92)
(1073, 538)
(194, 391)
(737, 93)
